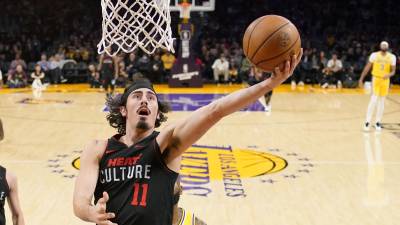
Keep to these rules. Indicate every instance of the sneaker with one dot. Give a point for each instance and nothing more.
(378, 126)
(293, 85)
(325, 85)
(301, 83)
(366, 126)
(267, 110)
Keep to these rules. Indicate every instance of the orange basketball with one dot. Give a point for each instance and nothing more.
(270, 40)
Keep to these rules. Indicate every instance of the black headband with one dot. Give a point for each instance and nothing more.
(137, 85)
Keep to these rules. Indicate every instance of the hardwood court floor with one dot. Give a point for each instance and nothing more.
(306, 163)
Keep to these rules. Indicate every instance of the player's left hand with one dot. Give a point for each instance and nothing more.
(387, 76)
(360, 84)
(286, 69)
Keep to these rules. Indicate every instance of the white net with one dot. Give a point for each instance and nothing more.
(129, 24)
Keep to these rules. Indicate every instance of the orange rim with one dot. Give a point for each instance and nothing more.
(185, 4)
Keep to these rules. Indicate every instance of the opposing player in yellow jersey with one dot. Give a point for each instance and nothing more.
(383, 65)
(180, 215)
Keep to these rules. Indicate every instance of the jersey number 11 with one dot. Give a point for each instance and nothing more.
(136, 188)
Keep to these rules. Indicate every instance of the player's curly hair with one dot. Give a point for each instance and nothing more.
(117, 120)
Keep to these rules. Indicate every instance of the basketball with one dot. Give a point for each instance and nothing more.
(270, 40)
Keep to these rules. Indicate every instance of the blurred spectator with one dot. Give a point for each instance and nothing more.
(37, 85)
(319, 64)
(44, 64)
(17, 79)
(70, 52)
(94, 77)
(144, 65)
(17, 61)
(333, 72)
(304, 68)
(221, 67)
(1, 79)
(37, 76)
(132, 66)
(233, 74)
(55, 69)
(244, 69)
(84, 54)
(122, 76)
(350, 78)
(157, 70)
(168, 60)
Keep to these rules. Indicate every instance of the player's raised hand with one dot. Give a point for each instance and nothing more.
(99, 214)
(286, 69)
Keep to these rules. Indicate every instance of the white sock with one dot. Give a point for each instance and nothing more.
(371, 108)
(380, 109)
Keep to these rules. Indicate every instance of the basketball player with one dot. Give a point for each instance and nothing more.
(256, 76)
(108, 67)
(383, 65)
(132, 174)
(37, 86)
(9, 191)
(180, 215)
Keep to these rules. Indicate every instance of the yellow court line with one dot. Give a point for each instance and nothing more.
(206, 89)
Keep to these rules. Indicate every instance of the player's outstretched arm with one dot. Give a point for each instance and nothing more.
(13, 200)
(85, 185)
(177, 138)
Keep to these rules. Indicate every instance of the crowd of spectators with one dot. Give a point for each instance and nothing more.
(61, 37)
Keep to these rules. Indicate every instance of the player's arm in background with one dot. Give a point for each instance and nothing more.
(13, 200)
(85, 185)
(179, 137)
(366, 69)
(1, 131)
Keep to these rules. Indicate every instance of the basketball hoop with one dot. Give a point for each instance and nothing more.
(131, 24)
(185, 10)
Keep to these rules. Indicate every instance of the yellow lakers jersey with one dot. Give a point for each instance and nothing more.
(381, 64)
(187, 218)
